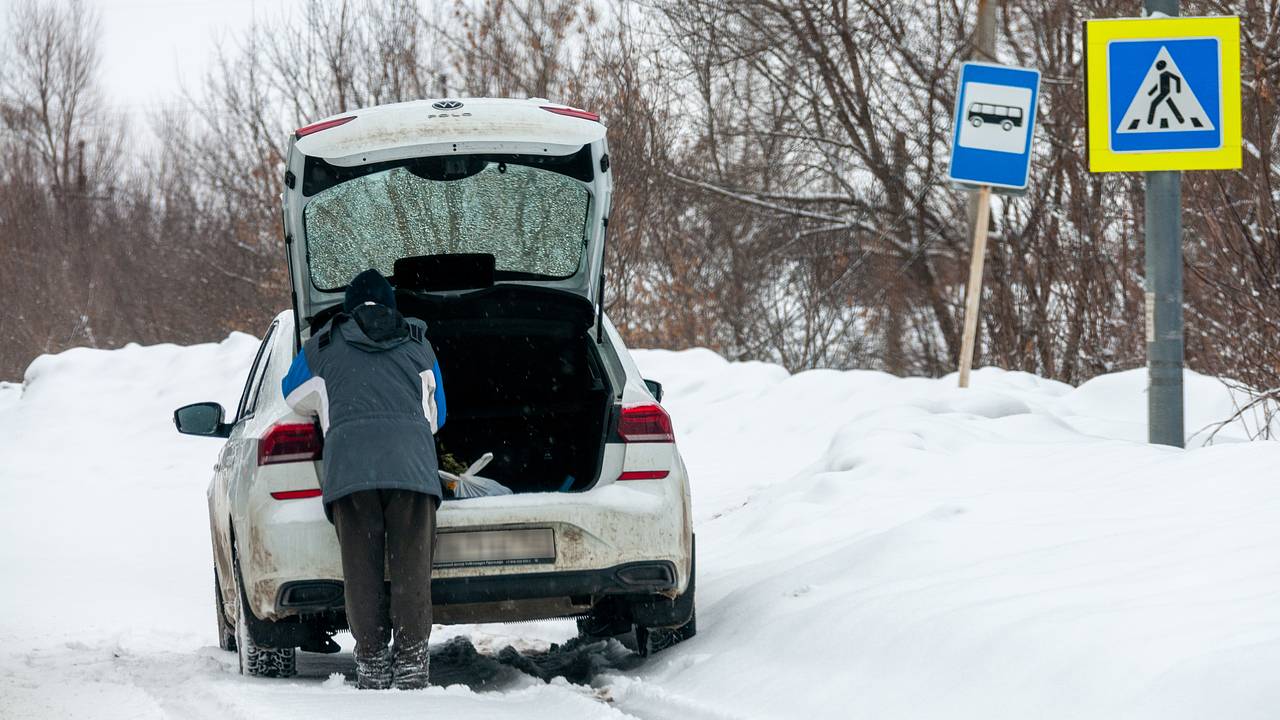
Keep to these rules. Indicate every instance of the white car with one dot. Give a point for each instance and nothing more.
(489, 216)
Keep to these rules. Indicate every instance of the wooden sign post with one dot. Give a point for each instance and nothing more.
(973, 291)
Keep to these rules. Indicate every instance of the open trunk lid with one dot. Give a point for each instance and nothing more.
(448, 196)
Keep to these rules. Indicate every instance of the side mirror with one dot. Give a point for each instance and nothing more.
(204, 419)
(655, 389)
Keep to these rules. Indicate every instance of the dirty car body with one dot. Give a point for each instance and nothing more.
(490, 218)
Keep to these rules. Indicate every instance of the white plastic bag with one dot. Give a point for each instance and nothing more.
(470, 485)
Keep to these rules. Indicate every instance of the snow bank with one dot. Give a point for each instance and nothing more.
(869, 547)
(102, 505)
(902, 548)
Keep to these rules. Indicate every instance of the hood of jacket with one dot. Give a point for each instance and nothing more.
(375, 328)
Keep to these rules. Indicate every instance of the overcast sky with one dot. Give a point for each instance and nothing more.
(151, 47)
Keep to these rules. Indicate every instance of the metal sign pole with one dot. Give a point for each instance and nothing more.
(1164, 307)
(1164, 293)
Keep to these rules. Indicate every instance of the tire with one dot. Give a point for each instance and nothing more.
(257, 660)
(652, 640)
(1006, 125)
(975, 121)
(226, 631)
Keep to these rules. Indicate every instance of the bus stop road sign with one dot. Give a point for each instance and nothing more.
(993, 125)
(1163, 94)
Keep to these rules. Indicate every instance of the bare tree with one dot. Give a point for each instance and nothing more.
(61, 151)
(779, 178)
(54, 106)
(829, 121)
(506, 48)
(1232, 225)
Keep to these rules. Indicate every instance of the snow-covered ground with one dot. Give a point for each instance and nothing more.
(869, 547)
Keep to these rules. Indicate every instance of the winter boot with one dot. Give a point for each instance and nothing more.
(412, 666)
(373, 672)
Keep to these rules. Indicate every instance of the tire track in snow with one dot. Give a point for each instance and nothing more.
(216, 690)
(107, 680)
(184, 685)
(647, 701)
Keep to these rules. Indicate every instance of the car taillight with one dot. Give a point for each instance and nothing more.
(572, 112)
(647, 423)
(643, 474)
(291, 442)
(296, 494)
(322, 125)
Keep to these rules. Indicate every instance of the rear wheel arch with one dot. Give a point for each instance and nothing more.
(223, 564)
(233, 563)
(654, 622)
(226, 628)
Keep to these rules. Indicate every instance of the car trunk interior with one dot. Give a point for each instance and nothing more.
(523, 380)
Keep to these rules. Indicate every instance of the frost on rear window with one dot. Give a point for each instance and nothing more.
(532, 221)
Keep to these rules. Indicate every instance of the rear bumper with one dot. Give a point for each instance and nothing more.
(623, 538)
(500, 597)
(310, 607)
(311, 596)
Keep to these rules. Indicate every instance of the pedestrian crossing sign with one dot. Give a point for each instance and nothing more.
(1163, 94)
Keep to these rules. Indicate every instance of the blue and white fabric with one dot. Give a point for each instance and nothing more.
(379, 403)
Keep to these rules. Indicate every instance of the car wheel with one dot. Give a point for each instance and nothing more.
(1006, 125)
(257, 660)
(226, 631)
(976, 122)
(652, 640)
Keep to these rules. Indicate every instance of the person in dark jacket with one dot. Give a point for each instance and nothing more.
(372, 378)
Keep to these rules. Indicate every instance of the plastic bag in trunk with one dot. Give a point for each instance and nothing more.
(471, 485)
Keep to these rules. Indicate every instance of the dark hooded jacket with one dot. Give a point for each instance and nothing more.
(373, 380)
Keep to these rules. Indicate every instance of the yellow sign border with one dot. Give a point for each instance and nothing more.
(1099, 33)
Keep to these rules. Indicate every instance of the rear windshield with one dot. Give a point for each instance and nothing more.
(533, 221)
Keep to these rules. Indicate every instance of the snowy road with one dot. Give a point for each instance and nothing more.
(869, 547)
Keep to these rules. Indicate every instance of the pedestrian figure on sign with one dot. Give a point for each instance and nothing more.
(372, 378)
(1166, 77)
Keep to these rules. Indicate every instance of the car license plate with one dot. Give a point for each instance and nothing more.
(470, 548)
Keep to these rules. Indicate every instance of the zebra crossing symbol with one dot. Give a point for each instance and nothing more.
(1164, 102)
(1163, 94)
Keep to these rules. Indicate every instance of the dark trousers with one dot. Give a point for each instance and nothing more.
(395, 530)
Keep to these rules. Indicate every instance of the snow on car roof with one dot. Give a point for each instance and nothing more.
(483, 121)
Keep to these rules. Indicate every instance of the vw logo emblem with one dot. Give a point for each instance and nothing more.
(446, 105)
